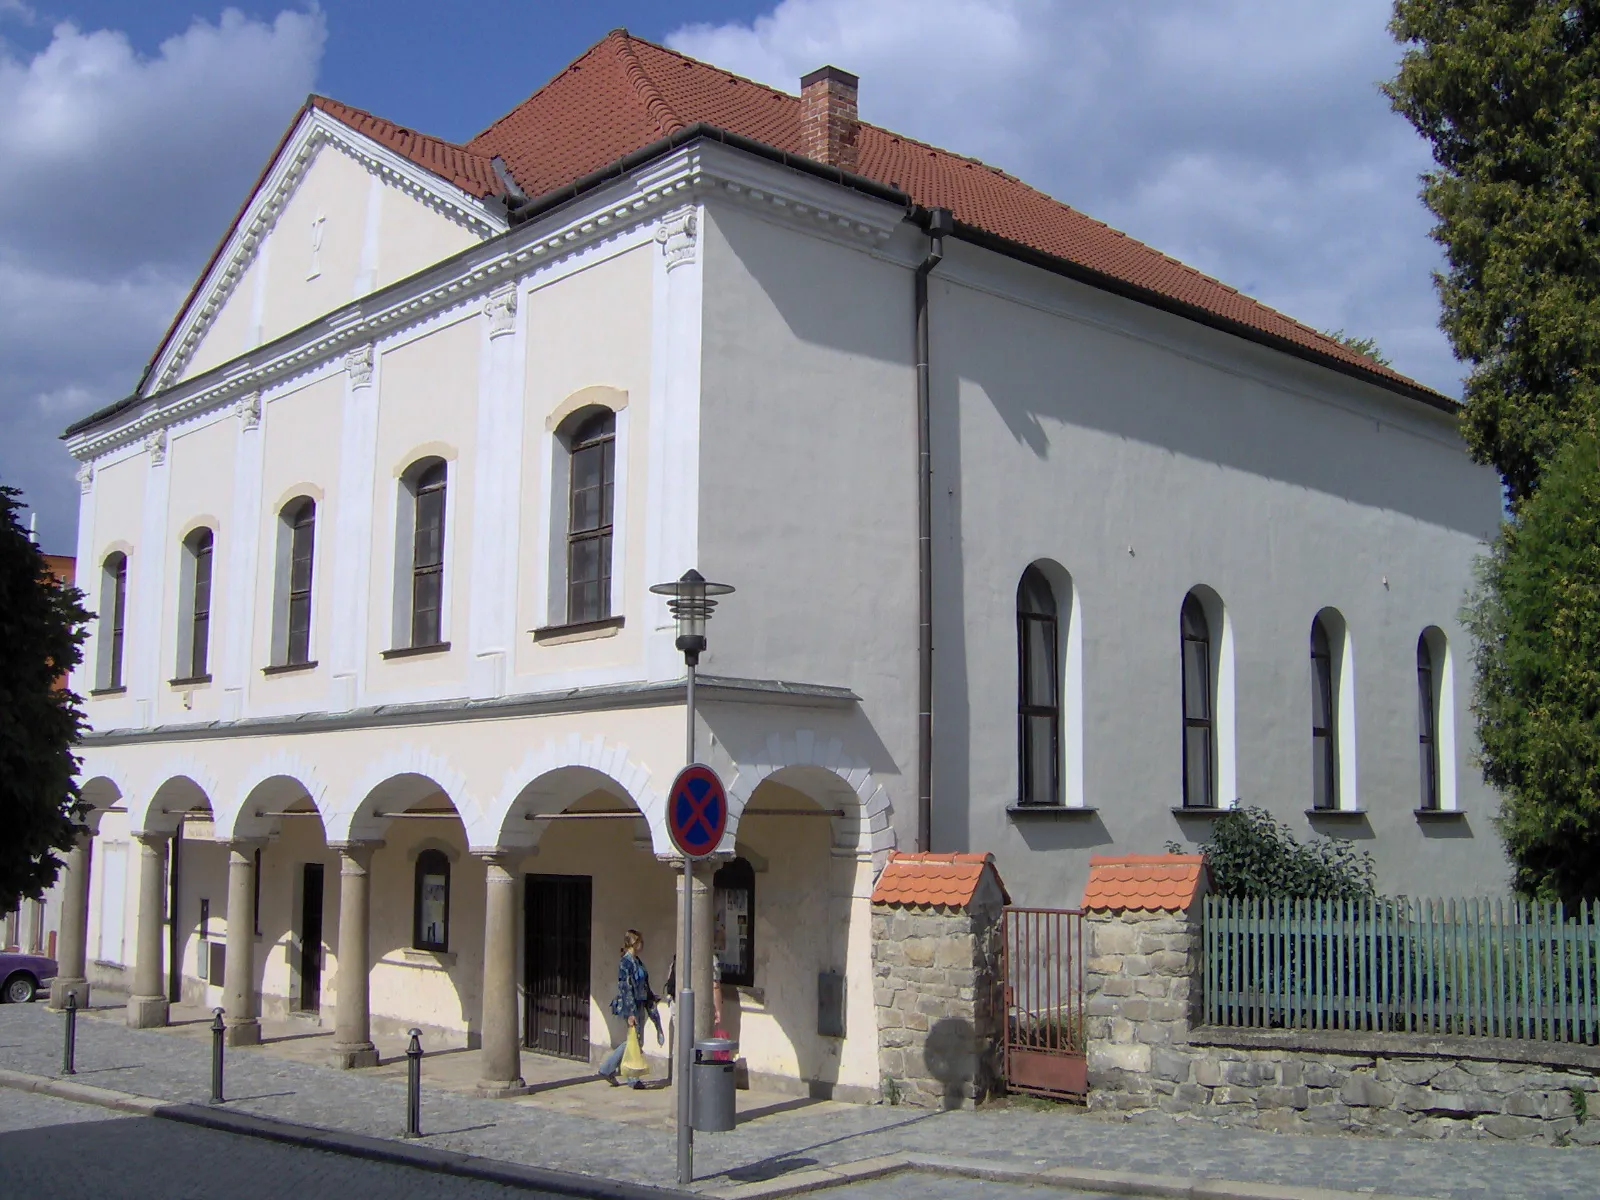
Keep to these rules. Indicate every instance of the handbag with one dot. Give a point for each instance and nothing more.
(634, 1065)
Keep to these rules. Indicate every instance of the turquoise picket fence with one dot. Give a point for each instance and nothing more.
(1484, 968)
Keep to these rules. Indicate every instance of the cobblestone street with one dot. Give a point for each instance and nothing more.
(578, 1124)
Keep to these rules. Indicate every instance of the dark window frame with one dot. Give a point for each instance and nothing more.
(739, 874)
(1038, 629)
(116, 574)
(300, 518)
(1427, 726)
(1324, 737)
(1199, 702)
(588, 596)
(427, 860)
(200, 545)
(429, 498)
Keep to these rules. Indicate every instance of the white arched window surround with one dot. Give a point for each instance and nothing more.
(197, 559)
(1437, 703)
(111, 625)
(404, 515)
(1220, 692)
(1069, 674)
(1340, 685)
(566, 419)
(295, 581)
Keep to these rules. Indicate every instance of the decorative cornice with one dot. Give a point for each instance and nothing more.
(501, 309)
(632, 206)
(678, 234)
(315, 130)
(249, 410)
(155, 445)
(358, 365)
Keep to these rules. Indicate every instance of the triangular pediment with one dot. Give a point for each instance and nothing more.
(335, 215)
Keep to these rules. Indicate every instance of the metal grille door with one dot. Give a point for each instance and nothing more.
(1042, 978)
(557, 930)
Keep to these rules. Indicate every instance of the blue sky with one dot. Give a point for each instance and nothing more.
(1245, 137)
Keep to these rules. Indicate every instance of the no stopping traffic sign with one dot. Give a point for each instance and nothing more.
(697, 811)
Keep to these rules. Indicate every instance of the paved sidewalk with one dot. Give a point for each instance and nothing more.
(578, 1124)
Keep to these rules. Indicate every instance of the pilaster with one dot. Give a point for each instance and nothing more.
(354, 526)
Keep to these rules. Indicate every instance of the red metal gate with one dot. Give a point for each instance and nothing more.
(1042, 980)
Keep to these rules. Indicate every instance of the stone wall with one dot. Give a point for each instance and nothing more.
(935, 971)
(1148, 1056)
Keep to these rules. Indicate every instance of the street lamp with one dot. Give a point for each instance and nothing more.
(692, 601)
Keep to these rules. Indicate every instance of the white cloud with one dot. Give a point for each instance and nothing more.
(118, 173)
(1246, 137)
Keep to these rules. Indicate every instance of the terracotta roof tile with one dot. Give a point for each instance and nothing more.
(625, 93)
(1152, 882)
(934, 880)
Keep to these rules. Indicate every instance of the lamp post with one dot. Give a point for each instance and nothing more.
(692, 602)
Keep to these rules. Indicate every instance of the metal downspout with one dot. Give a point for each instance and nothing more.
(938, 222)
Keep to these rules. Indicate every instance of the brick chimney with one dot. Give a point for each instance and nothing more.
(829, 126)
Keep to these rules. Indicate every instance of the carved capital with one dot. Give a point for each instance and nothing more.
(358, 363)
(501, 309)
(678, 234)
(86, 478)
(249, 409)
(155, 445)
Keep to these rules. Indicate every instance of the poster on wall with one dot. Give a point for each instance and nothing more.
(733, 915)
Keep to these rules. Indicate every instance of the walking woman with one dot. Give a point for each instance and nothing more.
(636, 1002)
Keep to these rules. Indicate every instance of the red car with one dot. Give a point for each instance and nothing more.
(23, 976)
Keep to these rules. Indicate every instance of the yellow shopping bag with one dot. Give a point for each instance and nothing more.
(634, 1065)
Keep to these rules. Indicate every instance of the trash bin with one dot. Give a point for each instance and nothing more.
(713, 1085)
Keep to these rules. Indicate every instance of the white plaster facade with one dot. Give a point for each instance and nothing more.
(750, 328)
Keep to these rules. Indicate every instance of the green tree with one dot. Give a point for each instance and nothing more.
(1508, 94)
(1251, 854)
(1535, 619)
(41, 638)
(1361, 345)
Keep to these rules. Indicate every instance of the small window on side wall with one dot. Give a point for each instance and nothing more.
(291, 619)
(1428, 724)
(194, 624)
(431, 923)
(1038, 692)
(420, 555)
(113, 621)
(591, 487)
(1324, 721)
(1199, 688)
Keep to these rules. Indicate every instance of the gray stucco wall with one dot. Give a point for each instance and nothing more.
(1141, 453)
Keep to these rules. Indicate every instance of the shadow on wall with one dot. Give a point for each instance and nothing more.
(950, 1055)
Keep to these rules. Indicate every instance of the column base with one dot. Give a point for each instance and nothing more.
(502, 1089)
(246, 1031)
(147, 1012)
(353, 1056)
(59, 987)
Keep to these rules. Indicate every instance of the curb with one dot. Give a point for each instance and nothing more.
(588, 1187)
(356, 1145)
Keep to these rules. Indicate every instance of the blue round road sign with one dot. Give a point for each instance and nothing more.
(697, 811)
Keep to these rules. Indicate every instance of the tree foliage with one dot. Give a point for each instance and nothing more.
(1361, 345)
(1508, 93)
(41, 639)
(1535, 619)
(1250, 854)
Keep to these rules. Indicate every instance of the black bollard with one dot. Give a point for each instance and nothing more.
(414, 1085)
(218, 1031)
(70, 1049)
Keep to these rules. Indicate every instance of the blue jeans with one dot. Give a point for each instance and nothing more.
(610, 1064)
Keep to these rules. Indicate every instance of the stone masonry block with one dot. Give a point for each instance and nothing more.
(1362, 1091)
(1170, 1064)
(1116, 938)
(1125, 1057)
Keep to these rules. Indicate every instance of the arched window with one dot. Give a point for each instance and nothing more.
(1324, 721)
(431, 921)
(113, 619)
(591, 484)
(1199, 726)
(194, 623)
(1038, 692)
(419, 559)
(1427, 724)
(291, 623)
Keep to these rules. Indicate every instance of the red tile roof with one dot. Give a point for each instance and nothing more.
(1153, 882)
(934, 880)
(625, 93)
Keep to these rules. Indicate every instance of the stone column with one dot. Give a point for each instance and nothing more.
(352, 1035)
(501, 1055)
(147, 1006)
(74, 939)
(240, 1002)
